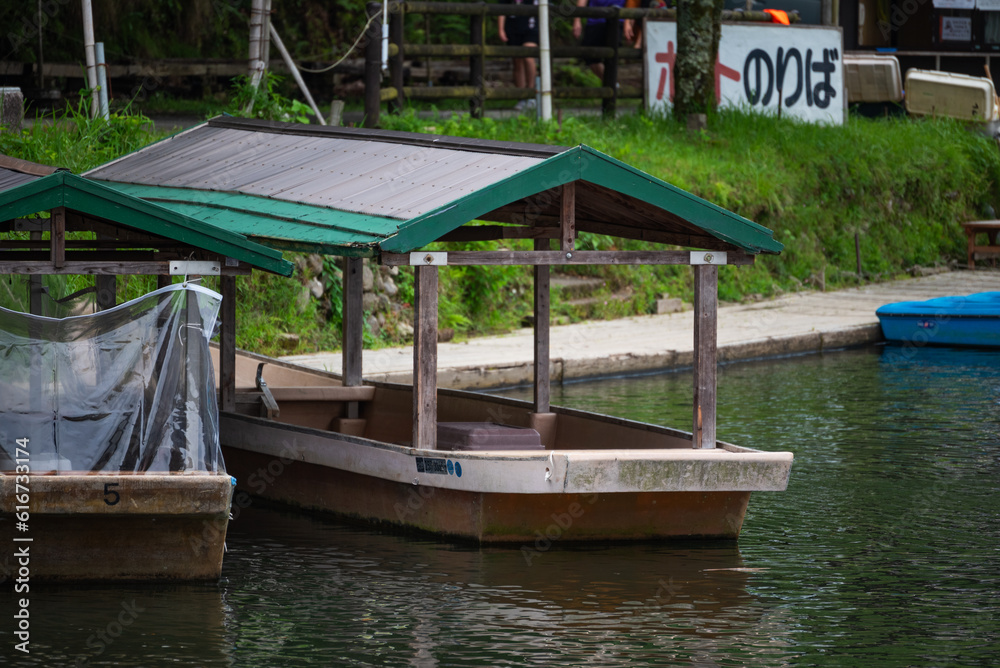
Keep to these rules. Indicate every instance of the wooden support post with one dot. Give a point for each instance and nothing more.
(425, 321)
(163, 280)
(35, 287)
(396, 62)
(352, 312)
(613, 39)
(567, 217)
(706, 311)
(57, 232)
(107, 291)
(476, 33)
(373, 68)
(227, 345)
(106, 285)
(542, 379)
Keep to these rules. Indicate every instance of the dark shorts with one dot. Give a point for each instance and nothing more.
(519, 33)
(596, 34)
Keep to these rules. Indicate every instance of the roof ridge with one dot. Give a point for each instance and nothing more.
(390, 137)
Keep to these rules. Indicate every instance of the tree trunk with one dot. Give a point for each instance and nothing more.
(698, 25)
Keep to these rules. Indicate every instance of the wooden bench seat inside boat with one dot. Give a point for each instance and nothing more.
(478, 436)
(316, 406)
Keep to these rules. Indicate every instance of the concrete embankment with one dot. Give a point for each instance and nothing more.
(797, 323)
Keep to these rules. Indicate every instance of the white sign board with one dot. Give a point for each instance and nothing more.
(954, 4)
(759, 65)
(956, 29)
(988, 5)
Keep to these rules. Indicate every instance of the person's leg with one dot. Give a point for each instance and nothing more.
(530, 69)
(520, 69)
(594, 35)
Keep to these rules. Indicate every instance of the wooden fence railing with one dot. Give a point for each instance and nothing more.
(397, 92)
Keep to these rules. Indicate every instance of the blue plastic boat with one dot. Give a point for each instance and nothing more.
(970, 320)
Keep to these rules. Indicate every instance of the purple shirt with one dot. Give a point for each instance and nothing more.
(603, 3)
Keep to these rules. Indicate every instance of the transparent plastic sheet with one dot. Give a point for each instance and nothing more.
(129, 389)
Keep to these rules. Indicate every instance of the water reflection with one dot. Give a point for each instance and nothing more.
(883, 551)
(127, 625)
(394, 600)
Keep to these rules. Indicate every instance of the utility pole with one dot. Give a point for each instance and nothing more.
(88, 48)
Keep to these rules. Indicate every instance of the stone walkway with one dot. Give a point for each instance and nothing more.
(796, 323)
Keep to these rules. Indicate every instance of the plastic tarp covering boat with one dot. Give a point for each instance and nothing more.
(130, 389)
(964, 320)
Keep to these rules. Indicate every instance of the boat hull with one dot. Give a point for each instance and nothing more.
(115, 526)
(970, 320)
(494, 517)
(513, 497)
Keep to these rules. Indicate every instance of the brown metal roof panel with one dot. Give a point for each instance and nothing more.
(11, 179)
(441, 183)
(235, 164)
(25, 166)
(399, 191)
(169, 159)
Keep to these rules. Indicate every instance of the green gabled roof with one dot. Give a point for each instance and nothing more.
(102, 201)
(276, 223)
(585, 164)
(350, 191)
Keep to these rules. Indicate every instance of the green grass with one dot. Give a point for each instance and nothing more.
(902, 185)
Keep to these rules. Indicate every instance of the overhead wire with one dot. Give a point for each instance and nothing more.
(349, 51)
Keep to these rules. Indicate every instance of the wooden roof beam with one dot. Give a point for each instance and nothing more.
(559, 257)
(494, 232)
(122, 268)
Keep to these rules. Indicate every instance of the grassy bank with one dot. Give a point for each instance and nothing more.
(902, 186)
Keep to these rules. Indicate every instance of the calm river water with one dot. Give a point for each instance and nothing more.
(885, 550)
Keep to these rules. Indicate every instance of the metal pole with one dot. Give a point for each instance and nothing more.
(265, 40)
(385, 36)
(102, 80)
(256, 35)
(295, 73)
(545, 60)
(88, 48)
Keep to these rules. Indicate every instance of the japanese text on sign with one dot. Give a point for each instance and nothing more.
(760, 67)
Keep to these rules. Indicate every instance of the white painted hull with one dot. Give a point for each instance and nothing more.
(659, 487)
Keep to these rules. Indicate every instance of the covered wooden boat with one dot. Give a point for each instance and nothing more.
(588, 476)
(110, 464)
(964, 320)
(449, 462)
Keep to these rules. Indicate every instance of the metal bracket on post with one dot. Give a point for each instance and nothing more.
(195, 268)
(709, 257)
(425, 258)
